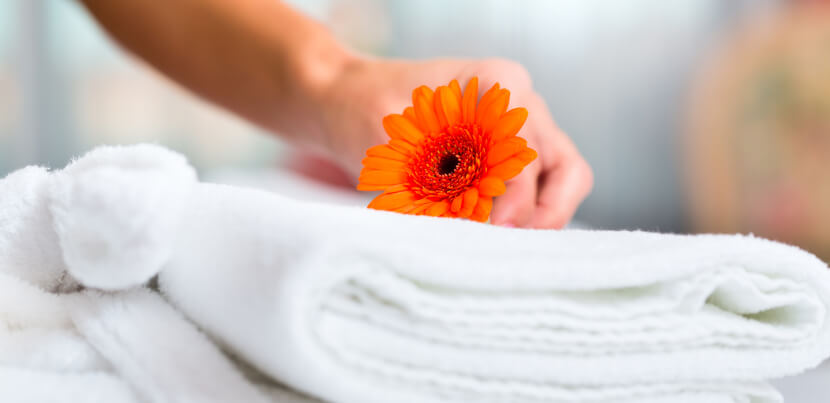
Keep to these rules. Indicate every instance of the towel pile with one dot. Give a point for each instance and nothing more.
(353, 305)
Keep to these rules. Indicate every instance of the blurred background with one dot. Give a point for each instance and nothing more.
(696, 115)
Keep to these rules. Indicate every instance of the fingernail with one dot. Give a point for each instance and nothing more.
(508, 225)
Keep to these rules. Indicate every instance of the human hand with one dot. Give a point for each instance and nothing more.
(286, 73)
(545, 195)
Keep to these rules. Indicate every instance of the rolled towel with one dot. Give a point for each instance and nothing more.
(106, 221)
(354, 305)
(115, 211)
(28, 245)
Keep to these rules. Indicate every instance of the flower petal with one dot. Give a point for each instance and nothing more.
(396, 188)
(392, 201)
(485, 101)
(456, 203)
(494, 111)
(409, 113)
(423, 101)
(370, 188)
(421, 208)
(438, 208)
(507, 169)
(374, 177)
(407, 209)
(384, 151)
(509, 124)
(402, 146)
(491, 186)
(448, 106)
(439, 113)
(468, 101)
(383, 164)
(527, 155)
(505, 149)
(482, 210)
(470, 200)
(456, 89)
(399, 127)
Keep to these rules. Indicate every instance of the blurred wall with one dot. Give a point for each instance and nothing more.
(68, 87)
(615, 74)
(10, 91)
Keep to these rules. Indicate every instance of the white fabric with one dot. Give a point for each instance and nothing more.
(352, 305)
(115, 213)
(28, 247)
(107, 348)
(161, 354)
(107, 220)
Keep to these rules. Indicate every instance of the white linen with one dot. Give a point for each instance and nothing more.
(354, 305)
(105, 221)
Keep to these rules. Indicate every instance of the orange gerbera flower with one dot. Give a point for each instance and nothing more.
(447, 156)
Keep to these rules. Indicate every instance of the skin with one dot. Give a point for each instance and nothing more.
(286, 73)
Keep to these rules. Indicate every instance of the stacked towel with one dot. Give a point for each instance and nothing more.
(354, 306)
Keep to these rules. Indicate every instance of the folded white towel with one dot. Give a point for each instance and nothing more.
(353, 305)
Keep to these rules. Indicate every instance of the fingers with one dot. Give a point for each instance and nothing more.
(515, 207)
(565, 179)
(561, 191)
(562, 179)
(319, 168)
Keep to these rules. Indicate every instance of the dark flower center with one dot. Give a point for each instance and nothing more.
(447, 164)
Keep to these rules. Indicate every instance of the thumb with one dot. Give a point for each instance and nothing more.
(515, 207)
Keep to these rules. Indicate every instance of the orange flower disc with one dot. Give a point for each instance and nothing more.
(448, 155)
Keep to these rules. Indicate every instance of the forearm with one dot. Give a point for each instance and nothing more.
(258, 58)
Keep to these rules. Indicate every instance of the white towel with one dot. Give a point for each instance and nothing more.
(353, 305)
(104, 221)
